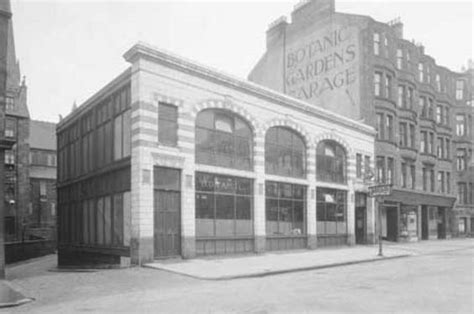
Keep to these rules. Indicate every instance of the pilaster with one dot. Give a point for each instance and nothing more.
(311, 200)
(259, 195)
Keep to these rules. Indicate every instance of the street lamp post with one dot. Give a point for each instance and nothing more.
(379, 191)
(379, 200)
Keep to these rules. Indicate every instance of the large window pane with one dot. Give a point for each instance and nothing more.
(205, 206)
(284, 153)
(331, 211)
(331, 162)
(223, 139)
(127, 133)
(285, 209)
(223, 206)
(118, 219)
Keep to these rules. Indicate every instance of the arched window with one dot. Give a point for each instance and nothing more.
(223, 139)
(331, 162)
(284, 153)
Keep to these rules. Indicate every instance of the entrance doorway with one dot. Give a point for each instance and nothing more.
(441, 223)
(424, 223)
(360, 218)
(392, 223)
(167, 212)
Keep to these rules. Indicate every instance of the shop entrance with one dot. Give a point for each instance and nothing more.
(167, 212)
(360, 225)
(441, 223)
(360, 218)
(424, 223)
(392, 223)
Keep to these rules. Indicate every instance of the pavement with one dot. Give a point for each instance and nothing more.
(10, 296)
(248, 266)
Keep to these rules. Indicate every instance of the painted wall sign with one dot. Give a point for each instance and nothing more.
(323, 66)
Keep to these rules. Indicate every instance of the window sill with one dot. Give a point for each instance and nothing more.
(386, 141)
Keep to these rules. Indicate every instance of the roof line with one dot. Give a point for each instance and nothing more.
(170, 59)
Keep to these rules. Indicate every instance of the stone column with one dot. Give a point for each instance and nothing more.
(142, 228)
(259, 195)
(141, 242)
(188, 221)
(311, 200)
(351, 174)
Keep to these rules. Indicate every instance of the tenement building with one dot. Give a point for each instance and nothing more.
(42, 178)
(422, 112)
(463, 139)
(173, 158)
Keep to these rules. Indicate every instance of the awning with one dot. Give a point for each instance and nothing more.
(420, 198)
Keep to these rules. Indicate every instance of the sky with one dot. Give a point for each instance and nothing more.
(68, 49)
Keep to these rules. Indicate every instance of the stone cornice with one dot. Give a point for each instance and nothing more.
(143, 50)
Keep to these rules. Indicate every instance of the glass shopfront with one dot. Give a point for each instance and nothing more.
(331, 216)
(224, 212)
(285, 215)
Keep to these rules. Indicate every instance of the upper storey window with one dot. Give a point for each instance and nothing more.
(378, 84)
(460, 125)
(10, 128)
(421, 73)
(438, 83)
(376, 44)
(223, 139)
(167, 124)
(9, 103)
(284, 153)
(459, 90)
(428, 74)
(399, 58)
(331, 162)
(388, 86)
(385, 46)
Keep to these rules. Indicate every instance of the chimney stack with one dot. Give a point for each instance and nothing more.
(397, 27)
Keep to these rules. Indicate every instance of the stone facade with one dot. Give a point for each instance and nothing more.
(161, 77)
(156, 78)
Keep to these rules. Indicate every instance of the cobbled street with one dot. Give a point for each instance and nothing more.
(438, 279)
